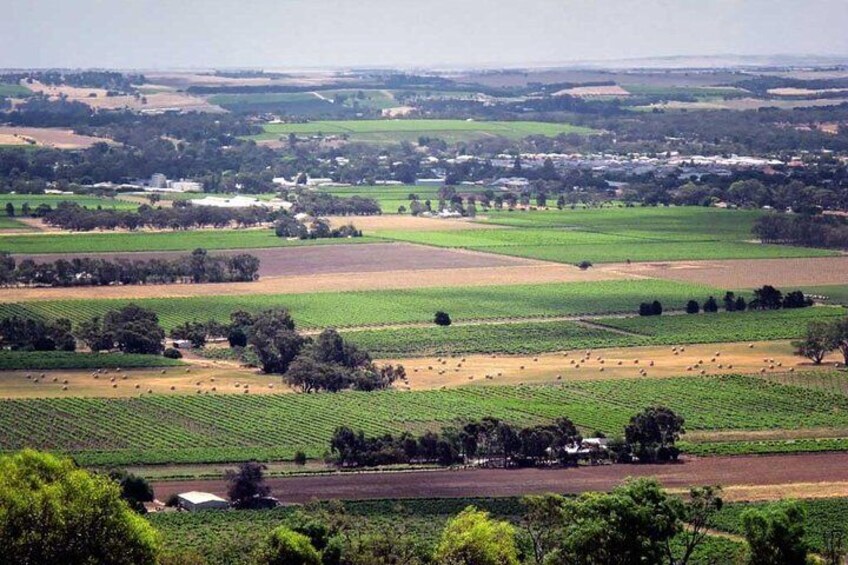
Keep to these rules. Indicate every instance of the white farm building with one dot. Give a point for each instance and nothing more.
(194, 500)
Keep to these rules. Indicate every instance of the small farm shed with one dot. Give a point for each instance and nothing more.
(194, 500)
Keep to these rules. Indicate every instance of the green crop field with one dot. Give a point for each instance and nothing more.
(35, 200)
(411, 130)
(523, 338)
(14, 90)
(615, 234)
(675, 223)
(44, 360)
(725, 326)
(540, 337)
(573, 246)
(156, 241)
(231, 537)
(196, 429)
(340, 309)
(7, 223)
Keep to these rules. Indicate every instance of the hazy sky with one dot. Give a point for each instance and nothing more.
(307, 33)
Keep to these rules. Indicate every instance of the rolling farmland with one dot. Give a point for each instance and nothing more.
(209, 428)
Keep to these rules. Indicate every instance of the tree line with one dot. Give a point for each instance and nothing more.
(72, 216)
(324, 204)
(649, 437)
(199, 267)
(807, 230)
(766, 297)
(318, 228)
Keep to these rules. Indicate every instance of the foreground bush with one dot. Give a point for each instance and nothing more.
(472, 538)
(53, 512)
(286, 547)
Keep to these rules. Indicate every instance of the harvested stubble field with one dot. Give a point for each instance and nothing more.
(47, 137)
(648, 362)
(746, 273)
(380, 307)
(164, 428)
(118, 381)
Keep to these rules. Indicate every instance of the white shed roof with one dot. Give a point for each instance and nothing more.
(196, 497)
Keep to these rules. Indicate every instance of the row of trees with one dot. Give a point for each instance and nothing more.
(199, 267)
(48, 501)
(318, 228)
(72, 216)
(822, 338)
(324, 204)
(765, 298)
(649, 437)
(811, 231)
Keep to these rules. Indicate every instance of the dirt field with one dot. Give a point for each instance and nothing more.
(319, 260)
(734, 358)
(372, 224)
(737, 274)
(47, 137)
(164, 98)
(594, 91)
(378, 280)
(734, 473)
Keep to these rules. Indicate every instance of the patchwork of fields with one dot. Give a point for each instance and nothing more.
(193, 429)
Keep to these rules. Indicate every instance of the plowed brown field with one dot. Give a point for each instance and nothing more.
(768, 475)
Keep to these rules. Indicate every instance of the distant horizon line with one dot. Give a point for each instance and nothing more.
(610, 64)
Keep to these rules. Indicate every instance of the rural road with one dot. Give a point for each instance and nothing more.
(725, 471)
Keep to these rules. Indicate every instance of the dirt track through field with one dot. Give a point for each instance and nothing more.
(741, 273)
(734, 472)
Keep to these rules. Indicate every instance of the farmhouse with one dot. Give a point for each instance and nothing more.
(194, 501)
